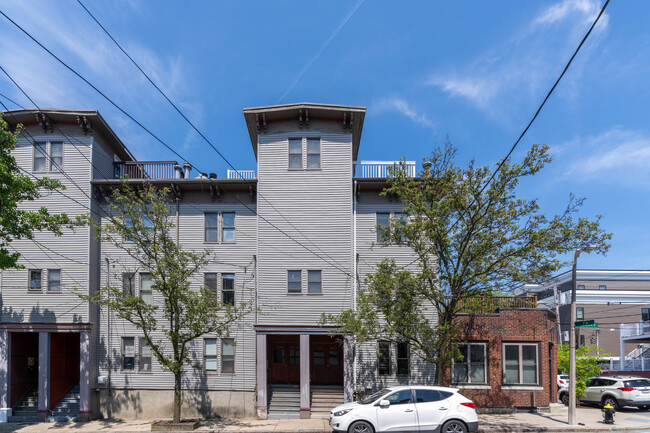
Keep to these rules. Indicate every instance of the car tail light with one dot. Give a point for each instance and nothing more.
(561, 382)
(626, 388)
(468, 404)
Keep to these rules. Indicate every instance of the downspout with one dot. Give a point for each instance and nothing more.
(178, 220)
(108, 336)
(354, 279)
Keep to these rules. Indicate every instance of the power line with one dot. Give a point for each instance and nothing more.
(158, 139)
(178, 110)
(514, 146)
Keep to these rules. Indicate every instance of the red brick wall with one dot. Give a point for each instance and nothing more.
(512, 326)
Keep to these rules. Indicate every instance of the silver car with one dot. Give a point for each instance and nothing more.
(618, 391)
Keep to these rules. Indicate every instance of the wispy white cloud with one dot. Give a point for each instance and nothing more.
(618, 156)
(321, 49)
(520, 69)
(404, 108)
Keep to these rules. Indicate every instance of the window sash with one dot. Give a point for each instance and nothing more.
(128, 353)
(144, 361)
(313, 153)
(227, 355)
(54, 280)
(211, 227)
(228, 228)
(210, 354)
(35, 280)
(228, 289)
(383, 222)
(383, 358)
(645, 314)
(128, 284)
(210, 282)
(473, 367)
(314, 282)
(146, 289)
(40, 155)
(295, 153)
(294, 281)
(521, 364)
(403, 359)
(56, 156)
(580, 313)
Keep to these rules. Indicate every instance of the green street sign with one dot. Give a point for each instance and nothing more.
(586, 324)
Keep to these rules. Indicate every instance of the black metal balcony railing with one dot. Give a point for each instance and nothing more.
(491, 304)
(145, 170)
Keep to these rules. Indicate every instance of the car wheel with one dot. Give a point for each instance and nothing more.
(361, 427)
(609, 400)
(644, 407)
(453, 426)
(564, 398)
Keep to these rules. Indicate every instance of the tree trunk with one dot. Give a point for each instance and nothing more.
(177, 396)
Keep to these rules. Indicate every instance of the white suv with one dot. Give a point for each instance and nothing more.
(407, 408)
(618, 391)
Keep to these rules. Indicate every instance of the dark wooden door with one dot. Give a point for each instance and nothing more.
(326, 361)
(284, 359)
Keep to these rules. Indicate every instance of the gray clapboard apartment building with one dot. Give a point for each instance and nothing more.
(295, 236)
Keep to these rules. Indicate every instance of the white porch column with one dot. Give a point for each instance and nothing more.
(43, 376)
(261, 368)
(5, 410)
(84, 376)
(305, 389)
(348, 370)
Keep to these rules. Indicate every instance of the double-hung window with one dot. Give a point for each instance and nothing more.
(48, 156)
(471, 366)
(521, 364)
(314, 282)
(645, 314)
(383, 358)
(383, 225)
(128, 353)
(295, 153)
(210, 354)
(228, 289)
(305, 153)
(227, 355)
(144, 363)
(212, 227)
(54, 280)
(403, 359)
(128, 284)
(580, 313)
(146, 289)
(294, 281)
(35, 276)
(210, 282)
(228, 227)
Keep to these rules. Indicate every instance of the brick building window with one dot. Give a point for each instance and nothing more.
(520, 364)
(471, 366)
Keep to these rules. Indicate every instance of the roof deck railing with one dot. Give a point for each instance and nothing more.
(144, 169)
(241, 174)
(379, 169)
(492, 304)
(635, 329)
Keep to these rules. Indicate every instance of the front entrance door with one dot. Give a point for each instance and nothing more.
(326, 360)
(24, 364)
(284, 359)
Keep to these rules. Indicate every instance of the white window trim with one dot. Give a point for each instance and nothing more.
(47, 288)
(135, 351)
(304, 154)
(216, 356)
(49, 159)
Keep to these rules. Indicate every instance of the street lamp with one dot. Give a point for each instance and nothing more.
(572, 337)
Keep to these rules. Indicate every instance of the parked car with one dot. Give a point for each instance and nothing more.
(562, 380)
(563, 394)
(618, 391)
(407, 408)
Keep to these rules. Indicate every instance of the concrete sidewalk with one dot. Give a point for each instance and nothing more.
(556, 421)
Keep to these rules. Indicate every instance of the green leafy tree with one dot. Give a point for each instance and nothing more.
(587, 360)
(139, 224)
(16, 188)
(468, 240)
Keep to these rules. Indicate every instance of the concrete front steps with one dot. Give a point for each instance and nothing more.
(284, 402)
(68, 407)
(324, 399)
(26, 409)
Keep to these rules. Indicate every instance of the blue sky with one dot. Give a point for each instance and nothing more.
(475, 71)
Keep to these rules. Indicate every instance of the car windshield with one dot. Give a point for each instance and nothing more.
(376, 396)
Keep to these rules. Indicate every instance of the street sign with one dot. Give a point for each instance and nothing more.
(586, 324)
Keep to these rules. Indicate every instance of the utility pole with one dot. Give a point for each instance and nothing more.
(572, 337)
(556, 297)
